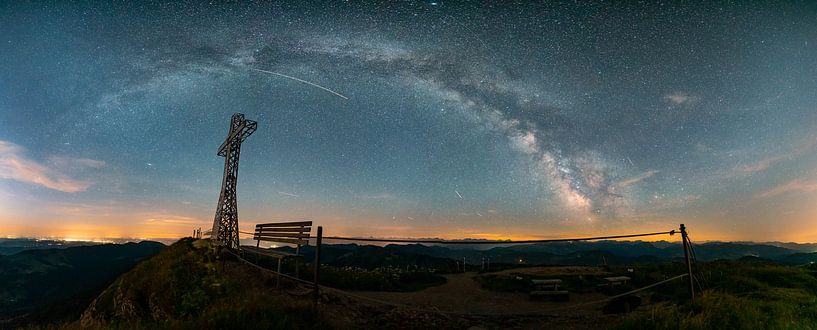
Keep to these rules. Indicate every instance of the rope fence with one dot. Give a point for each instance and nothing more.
(547, 312)
(460, 242)
(687, 245)
(595, 302)
(494, 242)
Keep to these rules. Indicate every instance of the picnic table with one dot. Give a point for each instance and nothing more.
(548, 288)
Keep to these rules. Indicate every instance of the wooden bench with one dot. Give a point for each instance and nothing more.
(548, 288)
(543, 285)
(296, 233)
(616, 280)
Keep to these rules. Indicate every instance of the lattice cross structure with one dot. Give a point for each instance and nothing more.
(225, 224)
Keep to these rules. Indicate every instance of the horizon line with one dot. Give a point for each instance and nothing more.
(364, 239)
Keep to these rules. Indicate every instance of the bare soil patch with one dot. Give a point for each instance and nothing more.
(461, 294)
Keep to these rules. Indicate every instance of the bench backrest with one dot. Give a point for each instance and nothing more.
(284, 232)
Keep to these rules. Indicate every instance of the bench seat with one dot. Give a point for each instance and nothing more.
(548, 293)
(296, 233)
(270, 252)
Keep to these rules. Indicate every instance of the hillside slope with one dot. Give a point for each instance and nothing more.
(53, 285)
(189, 286)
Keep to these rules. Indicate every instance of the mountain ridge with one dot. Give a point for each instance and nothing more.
(52, 284)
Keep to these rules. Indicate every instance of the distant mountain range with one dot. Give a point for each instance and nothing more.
(14, 245)
(57, 284)
(561, 253)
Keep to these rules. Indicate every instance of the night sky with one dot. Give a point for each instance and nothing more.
(429, 119)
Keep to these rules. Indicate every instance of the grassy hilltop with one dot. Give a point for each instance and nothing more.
(189, 286)
(185, 287)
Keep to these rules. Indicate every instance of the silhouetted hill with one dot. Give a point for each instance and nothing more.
(445, 259)
(800, 247)
(713, 251)
(48, 285)
(799, 258)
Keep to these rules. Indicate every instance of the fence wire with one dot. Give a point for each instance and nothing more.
(495, 242)
(547, 312)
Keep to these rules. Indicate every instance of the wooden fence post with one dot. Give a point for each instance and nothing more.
(316, 293)
(689, 265)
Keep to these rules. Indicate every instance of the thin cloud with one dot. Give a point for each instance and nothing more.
(767, 162)
(760, 165)
(171, 219)
(15, 165)
(680, 98)
(636, 179)
(794, 186)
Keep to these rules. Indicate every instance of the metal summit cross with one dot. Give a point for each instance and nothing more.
(225, 225)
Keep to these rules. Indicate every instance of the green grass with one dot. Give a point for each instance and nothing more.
(740, 295)
(717, 310)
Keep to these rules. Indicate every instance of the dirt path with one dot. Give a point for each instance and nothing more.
(462, 294)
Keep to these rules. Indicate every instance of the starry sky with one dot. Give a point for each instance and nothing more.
(412, 118)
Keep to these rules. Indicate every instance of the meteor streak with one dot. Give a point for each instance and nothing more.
(303, 81)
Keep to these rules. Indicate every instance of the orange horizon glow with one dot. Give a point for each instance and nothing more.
(94, 232)
(111, 220)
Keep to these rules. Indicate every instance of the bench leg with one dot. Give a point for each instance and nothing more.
(297, 273)
(278, 280)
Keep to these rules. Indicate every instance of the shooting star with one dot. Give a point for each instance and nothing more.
(458, 194)
(485, 45)
(303, 81)
(631, 161)
(288, 194)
